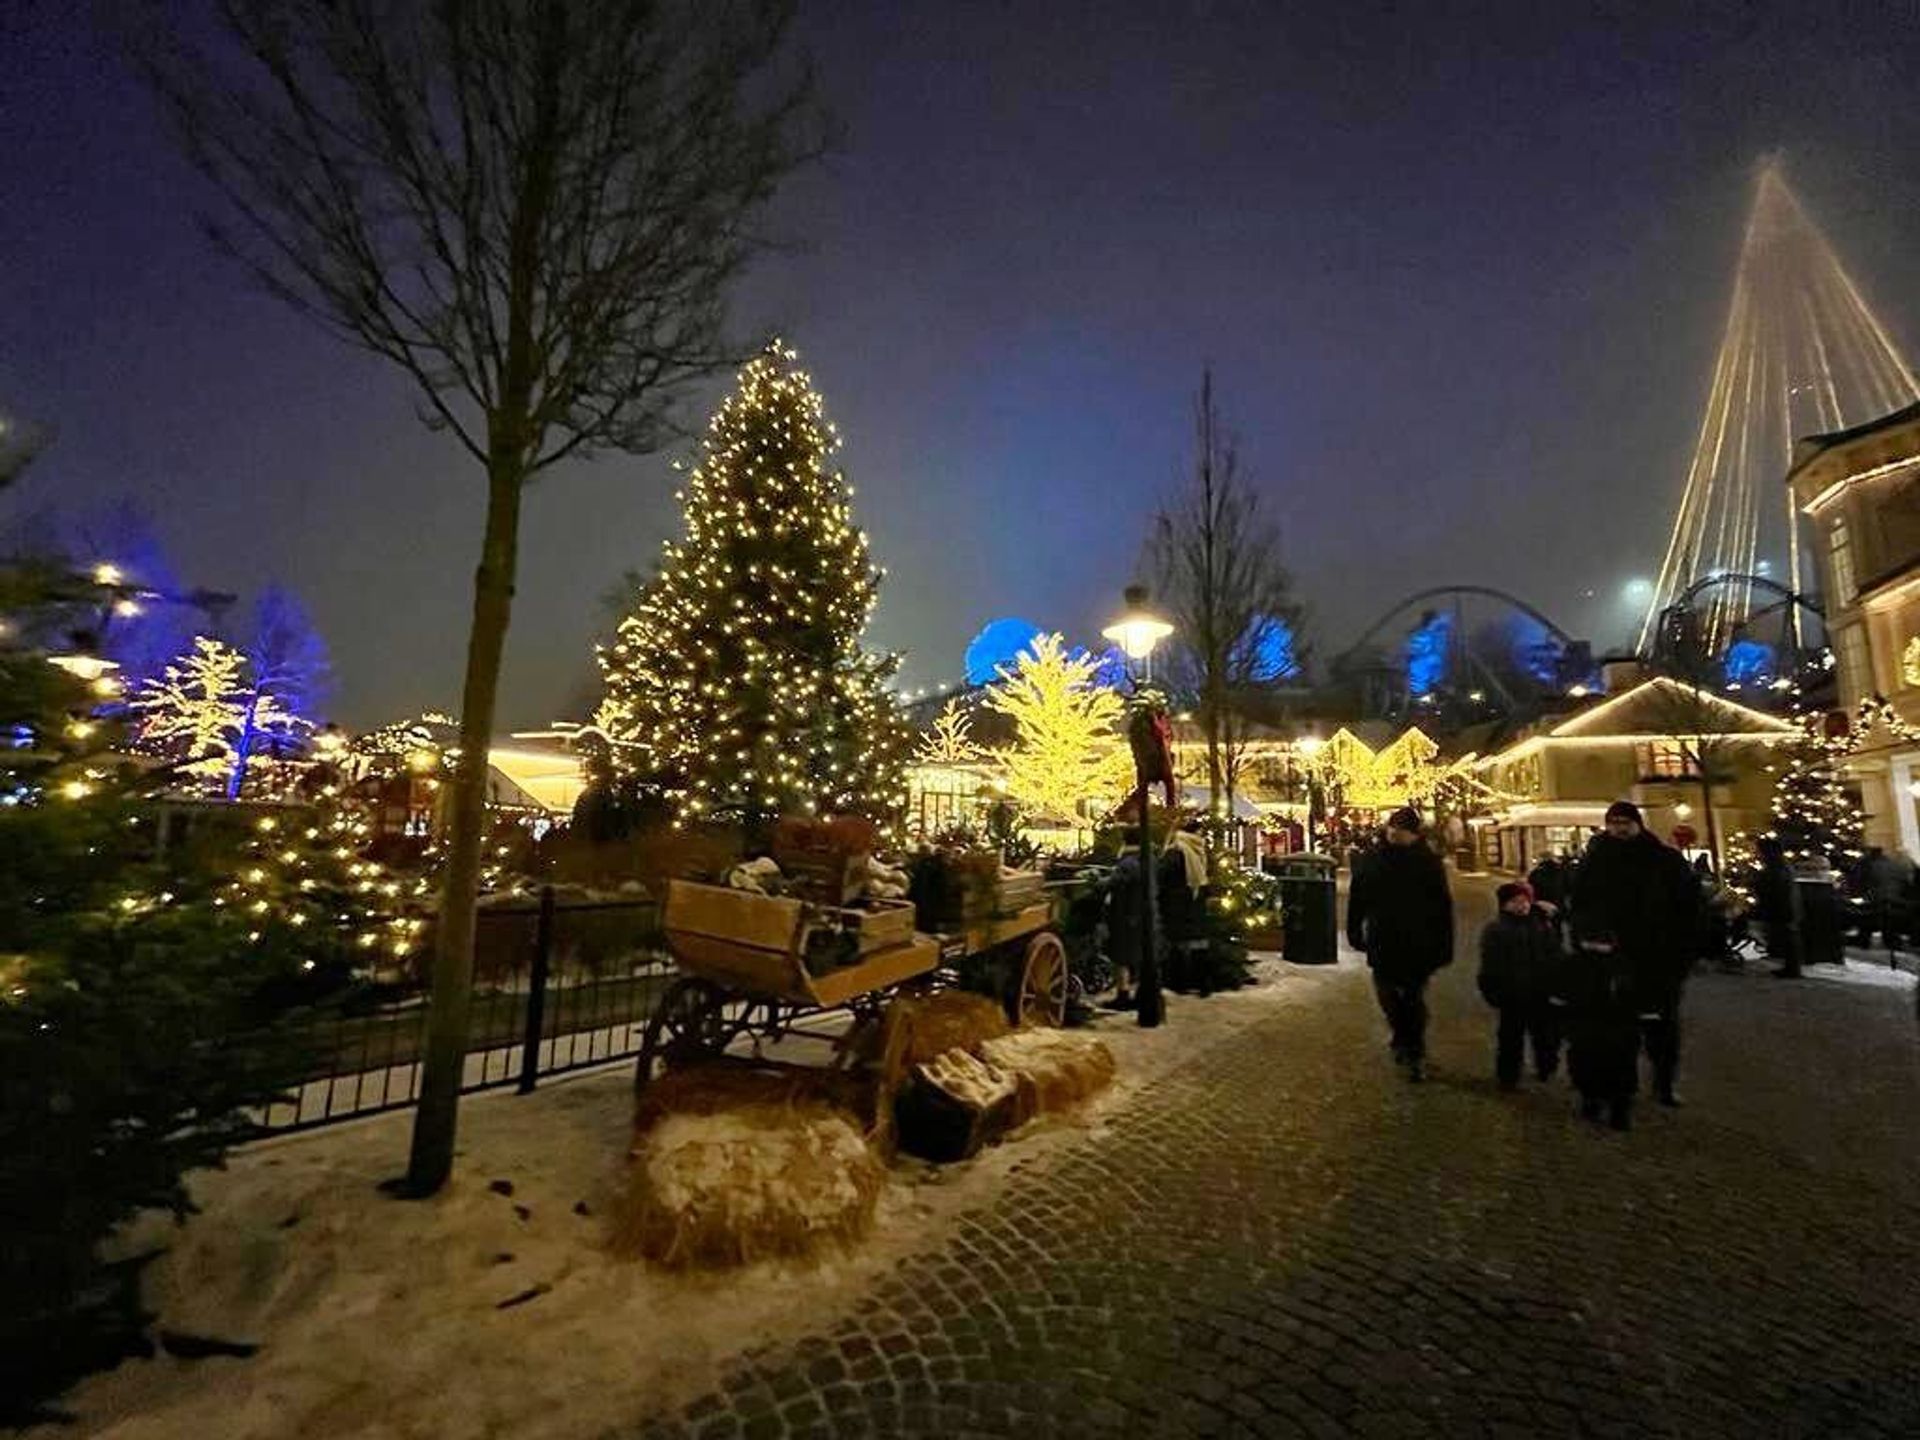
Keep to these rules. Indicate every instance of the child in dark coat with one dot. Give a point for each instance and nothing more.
(1521, 965)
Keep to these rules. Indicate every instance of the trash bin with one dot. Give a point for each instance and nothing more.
(1307, 908)
(1822, 925)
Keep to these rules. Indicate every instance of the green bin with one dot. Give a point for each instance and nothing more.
(1307, 908)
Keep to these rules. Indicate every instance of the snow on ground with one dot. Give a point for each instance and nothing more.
(496, 1308)
(1864, 967)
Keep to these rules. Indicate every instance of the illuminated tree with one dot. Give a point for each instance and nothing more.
(738, 686)
(135, 1035)
(288, 676)
(206, 714)
(1815, 815)
(535, 213)
(1067, 749)
(951, 740)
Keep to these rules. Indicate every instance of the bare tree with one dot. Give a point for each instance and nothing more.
(1214, 552)
(535, 211)
(1690, 714)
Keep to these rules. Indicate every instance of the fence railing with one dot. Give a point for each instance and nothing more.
(558, 986)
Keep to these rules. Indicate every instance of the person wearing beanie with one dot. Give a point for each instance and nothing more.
(1400, 913)
(1520, 960)
(1636, 923)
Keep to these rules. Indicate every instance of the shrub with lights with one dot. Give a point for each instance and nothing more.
(136, 1024)
(737, 688)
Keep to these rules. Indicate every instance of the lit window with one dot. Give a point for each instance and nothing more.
(1840, 562)
(1856, 674)
(1665, 760)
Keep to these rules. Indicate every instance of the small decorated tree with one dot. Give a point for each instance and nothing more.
(1067, 748)
(136, 1034)
(737, 687)
(1815, 815)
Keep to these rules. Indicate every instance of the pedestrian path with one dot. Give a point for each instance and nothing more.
(1286, 1238)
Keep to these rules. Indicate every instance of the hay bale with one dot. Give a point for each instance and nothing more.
(1053, 1069)
(754, 1181)
(953, 1106)
(944, 1020)
(731, 1082)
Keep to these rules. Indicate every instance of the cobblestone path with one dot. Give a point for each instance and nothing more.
(1284, 1238)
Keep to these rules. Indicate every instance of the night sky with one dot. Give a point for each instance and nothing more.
(1460, 270)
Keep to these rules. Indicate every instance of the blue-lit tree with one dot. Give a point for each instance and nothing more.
(1749, 662)
(1272, 653)
(288, 681)
(1428, 648)
(999, 644)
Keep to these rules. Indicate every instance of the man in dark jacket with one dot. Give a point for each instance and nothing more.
(1520, 964)
(1636, 917)
(1400, 913)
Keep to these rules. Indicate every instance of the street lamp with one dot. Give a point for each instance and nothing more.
(1136, 632)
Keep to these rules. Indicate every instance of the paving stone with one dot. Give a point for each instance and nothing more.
(1280, 1237)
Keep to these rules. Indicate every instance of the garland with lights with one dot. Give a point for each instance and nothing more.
(737, 688)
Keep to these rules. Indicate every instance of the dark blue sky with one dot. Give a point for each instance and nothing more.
(1460, 270)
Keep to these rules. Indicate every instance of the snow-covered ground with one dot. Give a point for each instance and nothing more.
(496, 1308)
(1866, 967)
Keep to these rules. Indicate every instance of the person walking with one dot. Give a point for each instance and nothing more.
(1884, 881)
(1520, 977)
(1636, 914)
(1400, 913)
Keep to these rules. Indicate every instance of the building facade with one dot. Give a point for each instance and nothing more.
(1860, 492)
(1694, 762)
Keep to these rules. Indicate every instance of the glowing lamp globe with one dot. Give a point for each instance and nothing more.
(1139, 629)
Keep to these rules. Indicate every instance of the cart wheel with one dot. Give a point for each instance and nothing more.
(689, 1021)
(1042, 995)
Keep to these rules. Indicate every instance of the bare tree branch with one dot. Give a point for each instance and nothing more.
(1215, 556)
(535, 209)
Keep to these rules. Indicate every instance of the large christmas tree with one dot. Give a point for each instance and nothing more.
(738, 686)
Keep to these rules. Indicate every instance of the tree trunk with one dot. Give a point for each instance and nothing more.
(1713, 828)
(452, 998)
(512, 442)
(243, 752)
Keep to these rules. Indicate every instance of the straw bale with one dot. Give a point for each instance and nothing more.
(1054, 1069)
(944, 1020)
(715, 1188)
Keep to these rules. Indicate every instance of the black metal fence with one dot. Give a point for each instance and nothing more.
(559, 985)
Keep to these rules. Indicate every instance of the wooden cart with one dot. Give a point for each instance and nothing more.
(751, 966)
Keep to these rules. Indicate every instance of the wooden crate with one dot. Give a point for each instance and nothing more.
(882, 924)
(761, 922)
(1019, 891)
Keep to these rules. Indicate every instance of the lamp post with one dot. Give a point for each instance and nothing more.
(1136, 632)
(1308, 747)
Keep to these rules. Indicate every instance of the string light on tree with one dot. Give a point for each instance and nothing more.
(1068, 750)
(207, 715)
(737, 686)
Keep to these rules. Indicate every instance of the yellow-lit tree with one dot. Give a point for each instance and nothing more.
(1067, 747)
(738, 685)
(951, 740)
